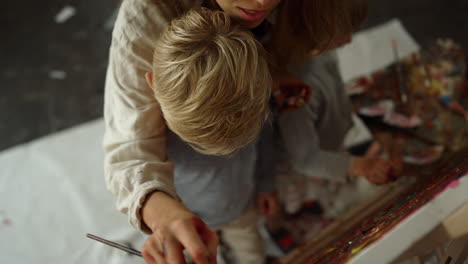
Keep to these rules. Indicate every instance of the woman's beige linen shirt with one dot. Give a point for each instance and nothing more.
(136, 162)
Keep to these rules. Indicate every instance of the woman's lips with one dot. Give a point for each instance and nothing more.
(253, 15)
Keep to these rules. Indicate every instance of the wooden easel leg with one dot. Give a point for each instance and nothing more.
(440, 253)
(456, 252)
(417, 260)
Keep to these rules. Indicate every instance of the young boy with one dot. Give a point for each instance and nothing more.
(212, 82)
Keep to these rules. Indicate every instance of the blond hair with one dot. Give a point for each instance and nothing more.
(212, 81)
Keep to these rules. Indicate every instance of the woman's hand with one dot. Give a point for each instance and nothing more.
(268, 204)
(175, 228)
(376, 170)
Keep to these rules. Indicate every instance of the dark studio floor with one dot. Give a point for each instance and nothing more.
(33, 103)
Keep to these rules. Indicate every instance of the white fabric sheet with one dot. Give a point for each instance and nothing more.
(372, 49)
(53, 193)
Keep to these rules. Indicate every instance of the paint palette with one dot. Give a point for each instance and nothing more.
(436, 73)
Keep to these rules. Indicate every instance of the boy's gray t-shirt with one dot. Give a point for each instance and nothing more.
(216, 188)
(219, 189)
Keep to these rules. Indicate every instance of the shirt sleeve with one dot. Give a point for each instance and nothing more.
(302, 143)
(135, 159)
(267, 158)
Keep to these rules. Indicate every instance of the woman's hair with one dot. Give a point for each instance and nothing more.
(212, 81)
(303, 26)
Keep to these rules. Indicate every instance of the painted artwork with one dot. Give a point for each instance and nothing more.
(432, 182)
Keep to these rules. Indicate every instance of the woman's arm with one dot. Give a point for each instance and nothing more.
(135, 162)
(136, 166)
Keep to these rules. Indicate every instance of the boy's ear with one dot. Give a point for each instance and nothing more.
(149, 78)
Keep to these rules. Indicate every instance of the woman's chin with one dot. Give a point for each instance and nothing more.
(252, 25)
(248, 24)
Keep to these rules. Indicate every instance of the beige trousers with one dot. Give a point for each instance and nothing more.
(243, 238)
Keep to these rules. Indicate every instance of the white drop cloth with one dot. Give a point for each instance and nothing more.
(53, 193)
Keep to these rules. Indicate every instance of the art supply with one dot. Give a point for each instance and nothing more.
(113, 244)
(401, 82)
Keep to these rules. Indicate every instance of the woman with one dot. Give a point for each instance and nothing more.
(137, 168)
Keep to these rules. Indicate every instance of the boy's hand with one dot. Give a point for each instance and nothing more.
(289, 92)
(267, 203)
(376, 170)
(374, 150)
(175, 228)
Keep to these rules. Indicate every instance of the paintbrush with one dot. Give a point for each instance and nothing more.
(399, 70)
(113, 244)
